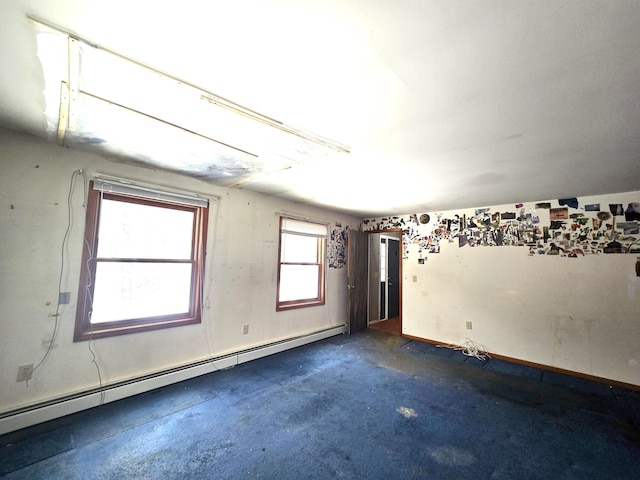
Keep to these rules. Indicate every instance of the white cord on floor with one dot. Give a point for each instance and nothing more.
(470, 349)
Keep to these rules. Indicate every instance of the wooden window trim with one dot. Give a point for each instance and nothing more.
(84, 330)
(321, 263)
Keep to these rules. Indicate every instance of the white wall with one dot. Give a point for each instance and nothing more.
(580, 314)
(241, 269)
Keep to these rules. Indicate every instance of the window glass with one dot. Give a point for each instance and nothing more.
(140, 290)
(299, 248)
(144, 231)
(301, 266)
(299, 282)
(143, 263)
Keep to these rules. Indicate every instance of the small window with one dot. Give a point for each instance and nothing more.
(301, 270)
(143, 261)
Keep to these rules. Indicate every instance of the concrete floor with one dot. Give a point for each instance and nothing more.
(370, 405)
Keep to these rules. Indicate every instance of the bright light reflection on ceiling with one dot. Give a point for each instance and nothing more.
(100, 101)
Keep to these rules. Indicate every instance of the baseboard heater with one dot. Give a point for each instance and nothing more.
(56, 408)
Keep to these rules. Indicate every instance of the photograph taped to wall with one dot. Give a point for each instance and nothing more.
(530, 237)
(573, 234)
(569, 202)
(337, 246)
(592, 207)
(532, 219)
(545, 205)
(556, 224)
(616, 209)
(559, 213)
(629, 228)
(632, 212)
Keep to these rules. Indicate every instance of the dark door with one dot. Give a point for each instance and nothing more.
(393, 273)
(357, 259)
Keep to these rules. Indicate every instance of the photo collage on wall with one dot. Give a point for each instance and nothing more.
(337, 245)
(566, 229)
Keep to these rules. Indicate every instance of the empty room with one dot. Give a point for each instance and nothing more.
(320, 239)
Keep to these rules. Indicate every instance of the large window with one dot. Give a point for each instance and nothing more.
(301, 271)
(143, 261)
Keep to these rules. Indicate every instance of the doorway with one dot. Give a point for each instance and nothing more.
(384, 282)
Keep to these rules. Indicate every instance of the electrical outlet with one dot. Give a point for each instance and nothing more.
(24, 372)
(245, 329)
(469, 324)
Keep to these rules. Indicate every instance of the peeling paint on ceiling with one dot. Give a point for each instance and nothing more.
(103, 102)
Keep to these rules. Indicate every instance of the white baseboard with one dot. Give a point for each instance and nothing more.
(43, 412)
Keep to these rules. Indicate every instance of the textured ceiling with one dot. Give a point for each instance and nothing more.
(443, 104)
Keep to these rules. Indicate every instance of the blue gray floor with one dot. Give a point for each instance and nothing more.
(368, 406)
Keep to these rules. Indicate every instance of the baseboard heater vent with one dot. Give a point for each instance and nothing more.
(59, 407)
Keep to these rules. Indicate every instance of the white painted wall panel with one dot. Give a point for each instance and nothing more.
(581, 314)
(240, 287)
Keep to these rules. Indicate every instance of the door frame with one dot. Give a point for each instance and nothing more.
(392, 275)
(398, 236)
